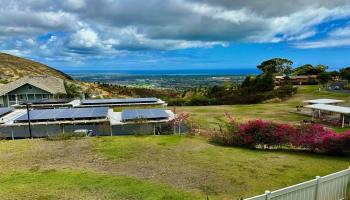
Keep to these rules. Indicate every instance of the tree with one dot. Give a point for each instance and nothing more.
(345, 73)
(324, 77)
(308, 69)
(247, 81)
(264, 82)
(276, 66)
(72, 90)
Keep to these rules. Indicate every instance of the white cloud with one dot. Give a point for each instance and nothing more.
(108, 27)
(85, 38)
(326, 43)
(341, 32)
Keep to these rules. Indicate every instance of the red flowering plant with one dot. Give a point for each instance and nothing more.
(310, 136)
(334, 143)
(265, 134)
(228, 132)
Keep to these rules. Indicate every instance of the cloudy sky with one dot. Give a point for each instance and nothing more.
(175, 34)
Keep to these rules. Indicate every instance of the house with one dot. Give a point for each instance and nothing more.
(297, 80)
(30, 88)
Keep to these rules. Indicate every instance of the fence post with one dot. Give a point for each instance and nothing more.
(318, 178)
(268, 193)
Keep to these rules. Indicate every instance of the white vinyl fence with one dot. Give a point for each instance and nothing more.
(331, 187)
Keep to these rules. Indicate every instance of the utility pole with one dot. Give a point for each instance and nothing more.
(28, 116)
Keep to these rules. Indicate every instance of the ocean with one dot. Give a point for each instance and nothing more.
(184, 72)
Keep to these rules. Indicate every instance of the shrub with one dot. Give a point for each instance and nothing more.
(310, 136)
(263, 134)
(333, 143)
(347, 87)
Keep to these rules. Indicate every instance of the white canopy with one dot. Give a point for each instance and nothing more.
(323, 101)
(331, 108)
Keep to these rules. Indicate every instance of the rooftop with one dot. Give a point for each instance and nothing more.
(331, 108)
(48, 83)
(324, 101)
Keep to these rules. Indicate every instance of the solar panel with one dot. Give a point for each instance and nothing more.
(98, 112)
(5, 110)
(146, 114)
(50, 101)
(119, 101)
(64, 114)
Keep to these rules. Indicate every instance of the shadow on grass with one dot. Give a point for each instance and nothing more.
(289, 151)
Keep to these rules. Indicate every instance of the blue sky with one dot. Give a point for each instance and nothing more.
(175, 34)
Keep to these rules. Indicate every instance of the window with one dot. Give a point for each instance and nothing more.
(21, 97)
(12, 97)
(45, 96)
(30, 87)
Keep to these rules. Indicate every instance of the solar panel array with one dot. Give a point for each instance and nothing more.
(64, 114)
(5, 110)
(119, 101)
(144, 114)
(51, 101)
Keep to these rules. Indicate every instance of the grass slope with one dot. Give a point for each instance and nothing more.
(13, 68)
(52, 184)
(210, 116)
(153, 167)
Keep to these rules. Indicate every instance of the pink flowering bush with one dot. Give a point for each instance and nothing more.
(333, 143)
(263, 134)
(310, 136)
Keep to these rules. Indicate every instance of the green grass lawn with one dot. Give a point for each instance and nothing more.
(150, 167)
(53, 184)
(163, 167)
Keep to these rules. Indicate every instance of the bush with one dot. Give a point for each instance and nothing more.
(347, 87)
(262, 134)
(333, 143)
(265, 134)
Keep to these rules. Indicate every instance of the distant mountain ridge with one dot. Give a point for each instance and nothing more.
(13, 68)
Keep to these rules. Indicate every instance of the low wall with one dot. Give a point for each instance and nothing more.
(44, 130)
(101, 129)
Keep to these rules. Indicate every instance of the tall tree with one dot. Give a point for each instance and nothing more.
(345, 73)
(309, 69)
(324, 77)
(276, 66)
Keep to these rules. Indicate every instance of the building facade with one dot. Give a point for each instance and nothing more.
(30, 88)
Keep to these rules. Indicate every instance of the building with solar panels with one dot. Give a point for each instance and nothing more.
(142, 121)
(30, 88)
(151, 101)
(91, 103)
(101, 121)
(51, 122)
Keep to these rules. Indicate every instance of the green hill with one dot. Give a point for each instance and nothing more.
(13, 68)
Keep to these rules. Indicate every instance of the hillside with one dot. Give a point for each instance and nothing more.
(13, 68)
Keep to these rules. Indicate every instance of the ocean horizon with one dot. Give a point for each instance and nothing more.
(169, 72)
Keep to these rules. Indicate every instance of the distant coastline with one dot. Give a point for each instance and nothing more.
(182, 72)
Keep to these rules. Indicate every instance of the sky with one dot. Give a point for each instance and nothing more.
(175, 34)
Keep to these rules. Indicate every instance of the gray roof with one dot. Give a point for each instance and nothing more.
(48, 83)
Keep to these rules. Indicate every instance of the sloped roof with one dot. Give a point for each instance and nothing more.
(48, 83)
(331, 108)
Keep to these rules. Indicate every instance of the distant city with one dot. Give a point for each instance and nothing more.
(175, 79)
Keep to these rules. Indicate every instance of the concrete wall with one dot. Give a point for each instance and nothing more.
(101, 129)
(51, 130)
(141, 129)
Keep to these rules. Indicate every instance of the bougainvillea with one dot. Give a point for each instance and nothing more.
(264, 134)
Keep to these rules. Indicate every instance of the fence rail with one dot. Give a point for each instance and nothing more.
(331, 187)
